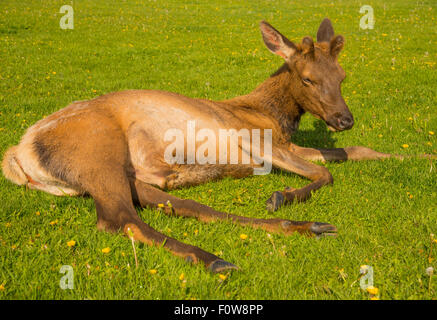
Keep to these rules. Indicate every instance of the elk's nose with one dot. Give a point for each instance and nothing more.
(346, 122)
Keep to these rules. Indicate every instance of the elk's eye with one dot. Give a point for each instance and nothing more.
(307, 81)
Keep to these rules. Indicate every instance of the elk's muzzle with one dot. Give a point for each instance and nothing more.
(340, 121)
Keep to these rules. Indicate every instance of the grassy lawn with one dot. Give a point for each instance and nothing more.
(385, 210)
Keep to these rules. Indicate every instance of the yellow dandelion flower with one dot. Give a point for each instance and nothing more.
(431, 133)
(160, 205)
(2, 287)
(182, 276)
(52, 223)
(405, 146)
(222, 277)
(71, 243)
(372, 290)
(106, 250)
(7, 224)
(153, 271)
(243, 236)
(38, 213)
(435, 240)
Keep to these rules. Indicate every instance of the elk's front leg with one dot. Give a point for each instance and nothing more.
(339, 154)
(288, 161)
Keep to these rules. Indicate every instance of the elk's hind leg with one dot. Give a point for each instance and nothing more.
(115, 211)
(148, 196)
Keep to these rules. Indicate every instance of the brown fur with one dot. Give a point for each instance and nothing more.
(112, 147)
(11, 168)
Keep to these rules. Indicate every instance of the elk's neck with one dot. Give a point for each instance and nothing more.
(274, 98)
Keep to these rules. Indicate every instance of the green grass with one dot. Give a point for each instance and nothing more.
(214, 50)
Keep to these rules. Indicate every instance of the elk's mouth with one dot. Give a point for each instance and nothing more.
(331, 128)
(340, 123)
(337, 122)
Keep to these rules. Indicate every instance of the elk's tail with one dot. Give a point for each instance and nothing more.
(11, 170)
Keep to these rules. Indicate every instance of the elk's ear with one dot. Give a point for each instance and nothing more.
(308, 46)
(276, 42)
(336, 45)
(326, 31)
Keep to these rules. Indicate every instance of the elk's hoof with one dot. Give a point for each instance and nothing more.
(221, 265)
(321, 229)
(275, 201)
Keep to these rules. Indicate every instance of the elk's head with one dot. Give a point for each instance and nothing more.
(315, 73)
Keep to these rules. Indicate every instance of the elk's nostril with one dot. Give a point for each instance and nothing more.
(346, 122)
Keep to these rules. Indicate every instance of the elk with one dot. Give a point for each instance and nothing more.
(112, 148)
